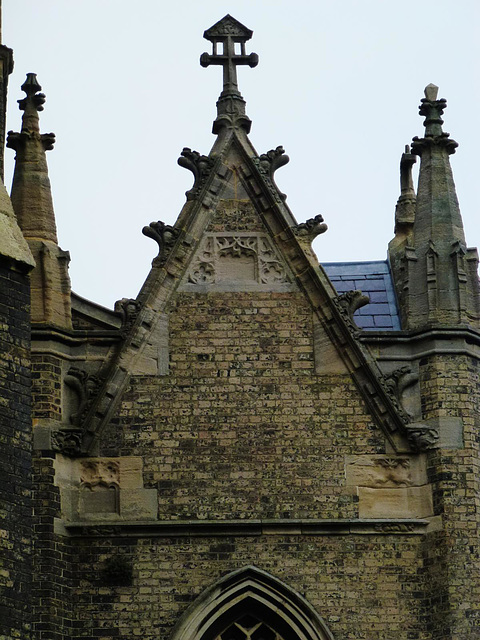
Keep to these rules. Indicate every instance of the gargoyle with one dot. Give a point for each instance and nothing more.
(311, 228)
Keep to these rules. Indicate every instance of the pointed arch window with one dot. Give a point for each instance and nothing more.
(251, 604)
(249, 627)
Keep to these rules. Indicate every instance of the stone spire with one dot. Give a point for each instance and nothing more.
(440, 283)
(228, 37)
(32, 202)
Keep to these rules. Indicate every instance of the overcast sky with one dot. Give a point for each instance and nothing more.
(338, 85)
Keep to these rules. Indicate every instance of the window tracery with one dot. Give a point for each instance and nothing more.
(249, 627)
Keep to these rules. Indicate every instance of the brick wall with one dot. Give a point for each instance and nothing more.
(51, 598)
(46, 387)
(15, 454)
(364, 587)
(450, 389)
(242, 426)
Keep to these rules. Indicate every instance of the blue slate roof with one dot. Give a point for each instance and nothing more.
(375, 280)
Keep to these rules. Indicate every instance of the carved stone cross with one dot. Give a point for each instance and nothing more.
(228, 37)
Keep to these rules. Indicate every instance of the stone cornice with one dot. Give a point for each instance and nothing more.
(440, 340)
(196, 528)
(43, 333)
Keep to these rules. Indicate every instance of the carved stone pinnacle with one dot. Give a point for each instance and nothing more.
(228, 38)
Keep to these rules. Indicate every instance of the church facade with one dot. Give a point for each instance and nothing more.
(257, 447)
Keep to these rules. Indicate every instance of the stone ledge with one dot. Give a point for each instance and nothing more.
(195, 528)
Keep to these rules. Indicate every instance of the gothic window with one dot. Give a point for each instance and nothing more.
(250, 604)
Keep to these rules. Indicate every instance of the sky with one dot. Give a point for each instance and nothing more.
(338, 86)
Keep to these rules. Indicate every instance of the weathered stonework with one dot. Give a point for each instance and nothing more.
(229, 456)
(237, 261)
(104, 489)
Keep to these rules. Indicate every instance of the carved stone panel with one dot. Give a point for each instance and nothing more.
(99, 489)
(99, 500)
(237, 261)
(412, 502)
(390, 486)
(379, 471)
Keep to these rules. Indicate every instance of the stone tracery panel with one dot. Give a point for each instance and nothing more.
(236, 258)
(249, 628)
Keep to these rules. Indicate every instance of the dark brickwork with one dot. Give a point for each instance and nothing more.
(450, 388)
(46, 387)
(242, 427)
(362, 586)
(15, 454)
(51, 568)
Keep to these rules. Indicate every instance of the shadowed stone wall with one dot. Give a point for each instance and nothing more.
(15, 453)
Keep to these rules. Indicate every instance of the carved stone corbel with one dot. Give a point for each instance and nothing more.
(349, 302)
(267, 164)
(199, 165)
(163, 234)
(421, 437)
(67, 441)
(86, 387)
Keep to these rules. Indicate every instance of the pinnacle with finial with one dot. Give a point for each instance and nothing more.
(433, 108)
(228, 37)
(31, 87)
(31, 105)
(224, 35)
(31, 195)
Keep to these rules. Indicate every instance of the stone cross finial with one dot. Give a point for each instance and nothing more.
(228, 37)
